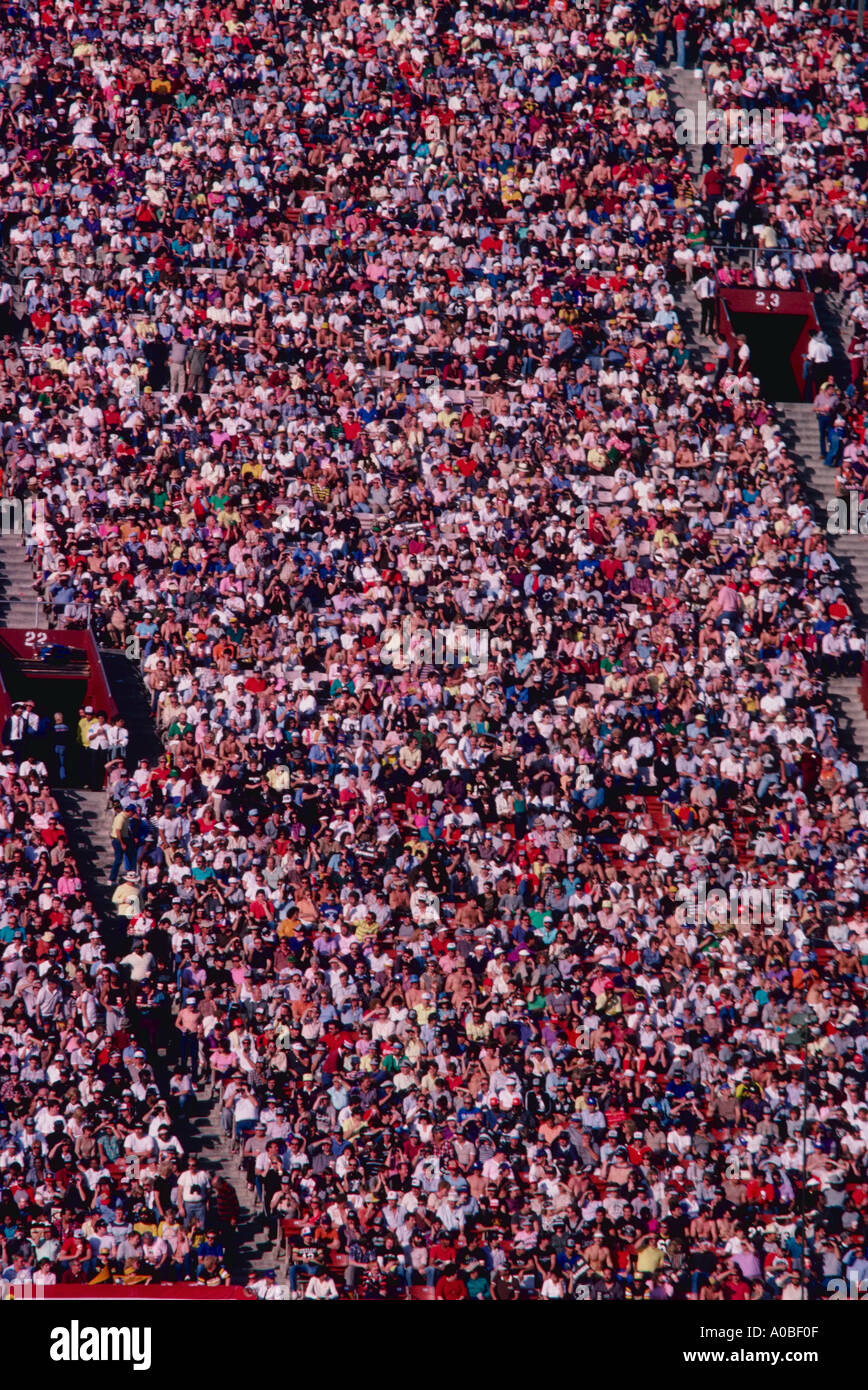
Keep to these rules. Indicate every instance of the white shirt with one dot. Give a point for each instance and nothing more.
(321, 1288)
(246, 1109)
(819, 350)
(193, 1187)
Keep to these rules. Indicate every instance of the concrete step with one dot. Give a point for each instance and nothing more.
(88, 824)
(256, 1252)
(685, 91)
(799, 429)
(133, 702)
(19, 603)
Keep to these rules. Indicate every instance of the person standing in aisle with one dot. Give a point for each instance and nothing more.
(705, 290)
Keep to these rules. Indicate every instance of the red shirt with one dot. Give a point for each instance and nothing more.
(453, 1290)
(441, 1251)
(736, 1289)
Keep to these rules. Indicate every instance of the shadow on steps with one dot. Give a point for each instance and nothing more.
(203, 1137)
(129, 691)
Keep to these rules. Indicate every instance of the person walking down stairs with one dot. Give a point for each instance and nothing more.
(705, 290)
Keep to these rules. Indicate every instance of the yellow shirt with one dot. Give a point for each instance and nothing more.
(352, 1126)
(126, 899)
(446, 418)
(649, 1260)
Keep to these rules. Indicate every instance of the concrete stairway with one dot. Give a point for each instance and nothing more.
(685, 90)
(90, 822)
(851, 552)
(799, 426)
(256, 1252)
(88, 828)
(687, 306)
(88, 825)
(847, 692)
(125, 678)
(84, 812)
(828, 309)
(19, 605)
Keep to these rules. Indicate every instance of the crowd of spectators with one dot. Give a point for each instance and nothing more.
(346, 321)
(796, 210)
(95, 1185)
